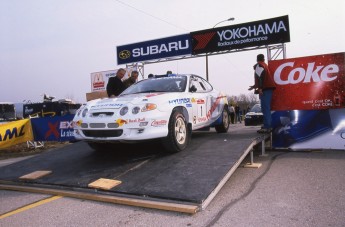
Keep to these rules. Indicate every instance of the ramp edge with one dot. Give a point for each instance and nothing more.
(257, 140)
(160, 205)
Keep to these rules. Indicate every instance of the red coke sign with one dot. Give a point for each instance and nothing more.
(309, 83)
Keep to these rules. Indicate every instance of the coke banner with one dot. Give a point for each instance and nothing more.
(309, 129)
(309, 83)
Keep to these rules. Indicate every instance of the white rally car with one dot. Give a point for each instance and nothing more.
(169, 107)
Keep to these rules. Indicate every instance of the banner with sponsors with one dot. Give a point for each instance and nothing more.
(15, 132)
(154, 49)
(309, 129)
(59, 128)
(252, 34)
(99, 80)
(309, 83)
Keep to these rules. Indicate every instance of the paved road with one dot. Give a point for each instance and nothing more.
(290, 189)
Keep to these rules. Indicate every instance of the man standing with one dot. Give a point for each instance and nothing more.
(238, 114)
(264, 84)
(232, 114)
(115, 85)
(132, 79)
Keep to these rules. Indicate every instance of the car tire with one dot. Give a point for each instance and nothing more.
(224, 127)
(178, 133)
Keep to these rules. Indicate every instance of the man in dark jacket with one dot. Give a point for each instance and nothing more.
(264, 85)
(115, 85)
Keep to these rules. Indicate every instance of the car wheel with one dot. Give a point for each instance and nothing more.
(224, 127)
(178, 135)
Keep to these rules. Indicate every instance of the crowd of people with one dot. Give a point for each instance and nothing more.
(237, 114)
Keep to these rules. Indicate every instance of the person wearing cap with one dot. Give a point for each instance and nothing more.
(264, 86)
(131, 80)
(115, 85)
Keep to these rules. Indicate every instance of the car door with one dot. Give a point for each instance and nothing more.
(200, 100)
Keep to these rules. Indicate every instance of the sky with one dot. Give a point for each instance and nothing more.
(52, 46)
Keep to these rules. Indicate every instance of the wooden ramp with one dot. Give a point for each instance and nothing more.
(147, 177)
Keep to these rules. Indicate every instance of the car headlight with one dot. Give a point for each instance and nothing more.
(123, 110)
(149, 107)
(84, 112)
(248, 117)
(135, 110)
(80, 110)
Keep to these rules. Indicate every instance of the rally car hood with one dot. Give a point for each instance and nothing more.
(134, 99)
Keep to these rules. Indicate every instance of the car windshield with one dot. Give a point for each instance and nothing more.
(256, 108)
(160, 84)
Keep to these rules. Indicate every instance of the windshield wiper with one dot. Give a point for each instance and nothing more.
(138, 92)
(149, 91)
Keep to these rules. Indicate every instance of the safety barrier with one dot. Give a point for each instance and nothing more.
(35, 131)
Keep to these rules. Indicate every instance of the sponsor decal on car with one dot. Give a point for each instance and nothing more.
(200, 101)
(202, 119)
(151, 95)
(136, 120)
(105, 105)
(179, 101)
(159, 123)
(121, 122)
(214, 106)
(78, 123)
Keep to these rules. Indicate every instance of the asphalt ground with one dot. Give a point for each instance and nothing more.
(290, 189)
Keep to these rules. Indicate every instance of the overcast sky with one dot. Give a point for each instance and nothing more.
(52, 46)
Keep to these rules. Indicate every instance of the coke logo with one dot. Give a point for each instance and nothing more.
(301, 75)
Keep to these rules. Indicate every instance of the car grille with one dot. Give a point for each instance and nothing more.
(97, 125)
(102, 114)
(103, 133)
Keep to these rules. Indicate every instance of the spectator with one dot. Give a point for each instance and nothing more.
(131, 80)
(115, 85)
(264, 85)
(238, 114)
(232, 114)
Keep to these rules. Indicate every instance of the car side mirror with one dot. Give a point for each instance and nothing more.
(192, 89)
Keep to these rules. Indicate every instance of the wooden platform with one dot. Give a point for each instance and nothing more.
(35, 175)
(105, 184)
(139, 174)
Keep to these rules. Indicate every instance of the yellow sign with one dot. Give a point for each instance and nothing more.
(15, 132)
